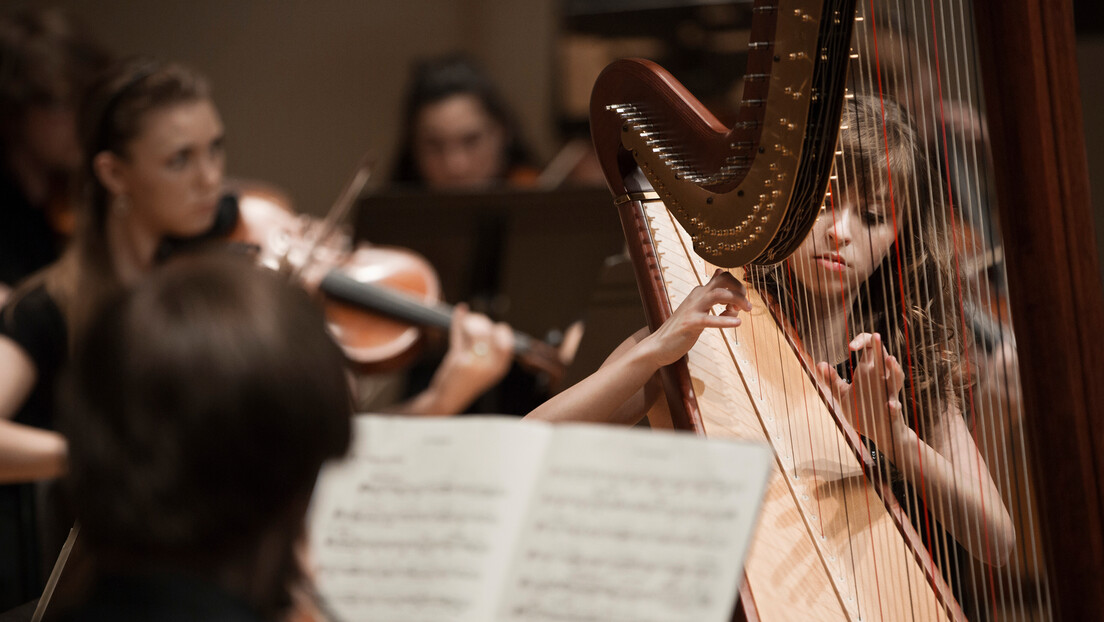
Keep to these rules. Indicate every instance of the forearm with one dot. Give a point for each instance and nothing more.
(434, 401)
(961, 496)
(602, 396)
(29, 454)
(613, 394)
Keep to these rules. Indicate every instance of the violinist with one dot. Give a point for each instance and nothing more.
(47, 61)
(154, 170)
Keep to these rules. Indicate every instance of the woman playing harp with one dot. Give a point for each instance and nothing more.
(898, 383)
(645, 123)
(892, 368)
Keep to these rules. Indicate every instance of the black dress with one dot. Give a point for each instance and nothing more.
(27, 243)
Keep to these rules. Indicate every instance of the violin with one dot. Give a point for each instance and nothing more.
(376, 298)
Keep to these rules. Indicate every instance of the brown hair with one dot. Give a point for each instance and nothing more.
(200, 408)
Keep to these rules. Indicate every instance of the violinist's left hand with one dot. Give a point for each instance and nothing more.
(479, 355)
(871, 401)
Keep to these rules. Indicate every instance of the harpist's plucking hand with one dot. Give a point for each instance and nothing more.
(871, 401)
(678, 334)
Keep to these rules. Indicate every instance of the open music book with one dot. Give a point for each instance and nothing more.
(496, 519)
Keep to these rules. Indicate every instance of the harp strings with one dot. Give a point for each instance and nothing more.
(949, 157)
(946, 154)
(998, 409)
(907, 295)
(934, 44)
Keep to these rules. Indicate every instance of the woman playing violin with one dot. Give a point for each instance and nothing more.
(154, 168)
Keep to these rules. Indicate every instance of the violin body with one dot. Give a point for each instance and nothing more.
(290, 243)
(370, 339)
(376, 298)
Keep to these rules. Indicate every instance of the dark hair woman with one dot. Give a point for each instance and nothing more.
(457, 131)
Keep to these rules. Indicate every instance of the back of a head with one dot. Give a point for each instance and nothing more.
(203, 403)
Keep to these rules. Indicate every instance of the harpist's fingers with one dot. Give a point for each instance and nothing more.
(894, 374)
(832, 379)
(724, 320)
(895, 410)
(732, 310)
(861, 342)
(730, 289)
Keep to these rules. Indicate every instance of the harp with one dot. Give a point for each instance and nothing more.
(694, 194)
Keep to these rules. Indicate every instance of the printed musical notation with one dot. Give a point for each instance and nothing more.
(496, 519)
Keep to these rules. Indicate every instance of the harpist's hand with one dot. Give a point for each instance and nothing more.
(870, 402)
(679, 333)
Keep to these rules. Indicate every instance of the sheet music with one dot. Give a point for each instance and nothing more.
(498, 519)
(414, 525)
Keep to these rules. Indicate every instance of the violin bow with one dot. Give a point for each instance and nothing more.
(337, 213)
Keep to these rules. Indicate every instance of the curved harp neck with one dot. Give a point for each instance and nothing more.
(736, 190)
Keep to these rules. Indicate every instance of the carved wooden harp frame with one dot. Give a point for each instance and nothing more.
(1028, 69)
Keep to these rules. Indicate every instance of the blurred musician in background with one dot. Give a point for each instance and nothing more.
(457, 131)
(46, 63)
(459, 134)
(203, 404)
